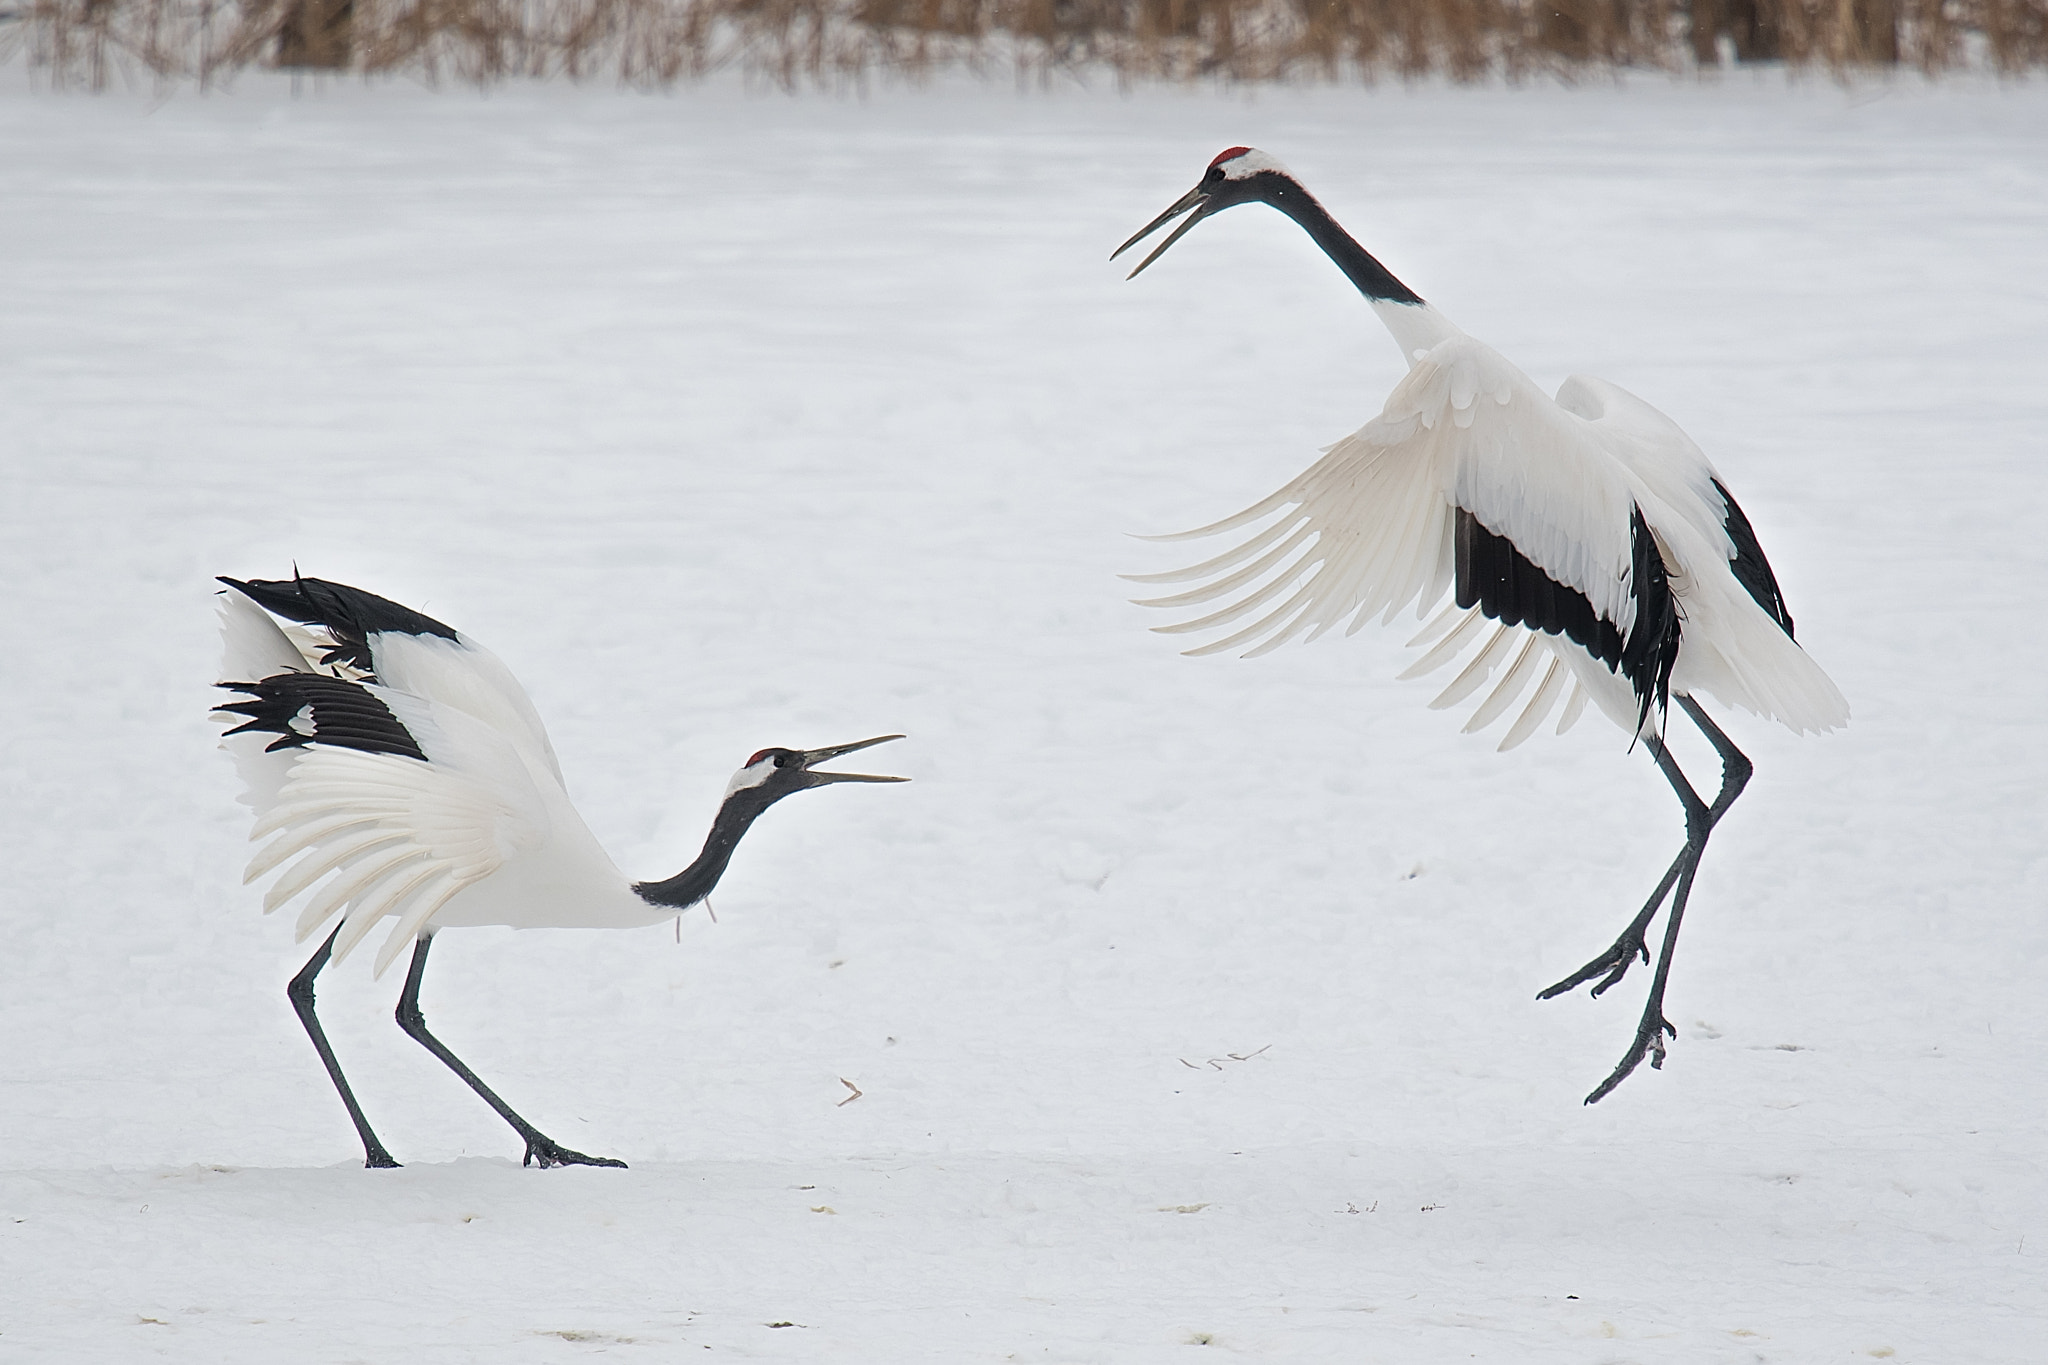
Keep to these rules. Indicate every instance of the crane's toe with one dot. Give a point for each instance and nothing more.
(547, 1152)
(1650, 1035)
(1614, 964)
(1623, 952)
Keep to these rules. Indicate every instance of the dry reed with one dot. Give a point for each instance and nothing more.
(658, 42)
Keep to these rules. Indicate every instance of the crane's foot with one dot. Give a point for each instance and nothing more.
(1650, 1035)
(547, 1152)
(1622, 955)
(377, 1159)
(1615, 962)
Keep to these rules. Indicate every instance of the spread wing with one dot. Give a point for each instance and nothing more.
(390, 802)
(391, 835)
(1470, 476)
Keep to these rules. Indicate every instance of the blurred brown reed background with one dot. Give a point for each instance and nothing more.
(656, 42)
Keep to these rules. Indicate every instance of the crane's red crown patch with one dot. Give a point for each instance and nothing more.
(1227, 153)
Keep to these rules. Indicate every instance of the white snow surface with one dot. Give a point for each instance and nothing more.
(1190, 1002)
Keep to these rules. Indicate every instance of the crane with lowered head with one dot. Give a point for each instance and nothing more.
(407, 771)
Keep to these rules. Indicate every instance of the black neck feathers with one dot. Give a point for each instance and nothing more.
(1373, 280)
(696, 881)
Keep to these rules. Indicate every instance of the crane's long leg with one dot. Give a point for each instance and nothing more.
(1622, 954)
(539, 1146)
(1735, 765)
(1654, 1027)
(300, 993)
(1700, 820)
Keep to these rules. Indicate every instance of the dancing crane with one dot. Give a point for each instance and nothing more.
(401, 757)
(1594, 536)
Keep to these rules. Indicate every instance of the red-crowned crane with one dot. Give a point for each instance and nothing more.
(401, 761)
(1591, 531)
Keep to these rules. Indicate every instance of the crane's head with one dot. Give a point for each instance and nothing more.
(772, 774)
(766, 778)
(1238, 175)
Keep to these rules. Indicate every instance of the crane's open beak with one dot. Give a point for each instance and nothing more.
(1197, 199)
(815, 756)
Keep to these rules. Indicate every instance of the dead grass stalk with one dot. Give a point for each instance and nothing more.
(794, 42)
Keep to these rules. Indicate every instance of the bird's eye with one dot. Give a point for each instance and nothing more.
(782, 759)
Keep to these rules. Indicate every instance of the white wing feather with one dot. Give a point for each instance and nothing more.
(459, 673)
(1456, 630)
(253, 647)
(1534, 473)
(1656, 449)
(1732, 648)
(396, 834)
(1367, 530)
(373, 835)
(462, 674)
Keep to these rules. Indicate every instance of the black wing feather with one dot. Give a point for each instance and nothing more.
(1652, 648)
(1750, 567)
(339, 713)
(1508, 587)
(350, 615)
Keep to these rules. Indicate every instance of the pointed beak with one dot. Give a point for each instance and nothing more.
(1196, 199)
(816, 756)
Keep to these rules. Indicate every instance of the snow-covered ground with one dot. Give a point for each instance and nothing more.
(1190, 1001)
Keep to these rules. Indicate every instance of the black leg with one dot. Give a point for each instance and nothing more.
(1699, 824)
(1622, 954)
(539, 1146)
(300, 993)
(1735, 765)
(1653, 1028)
